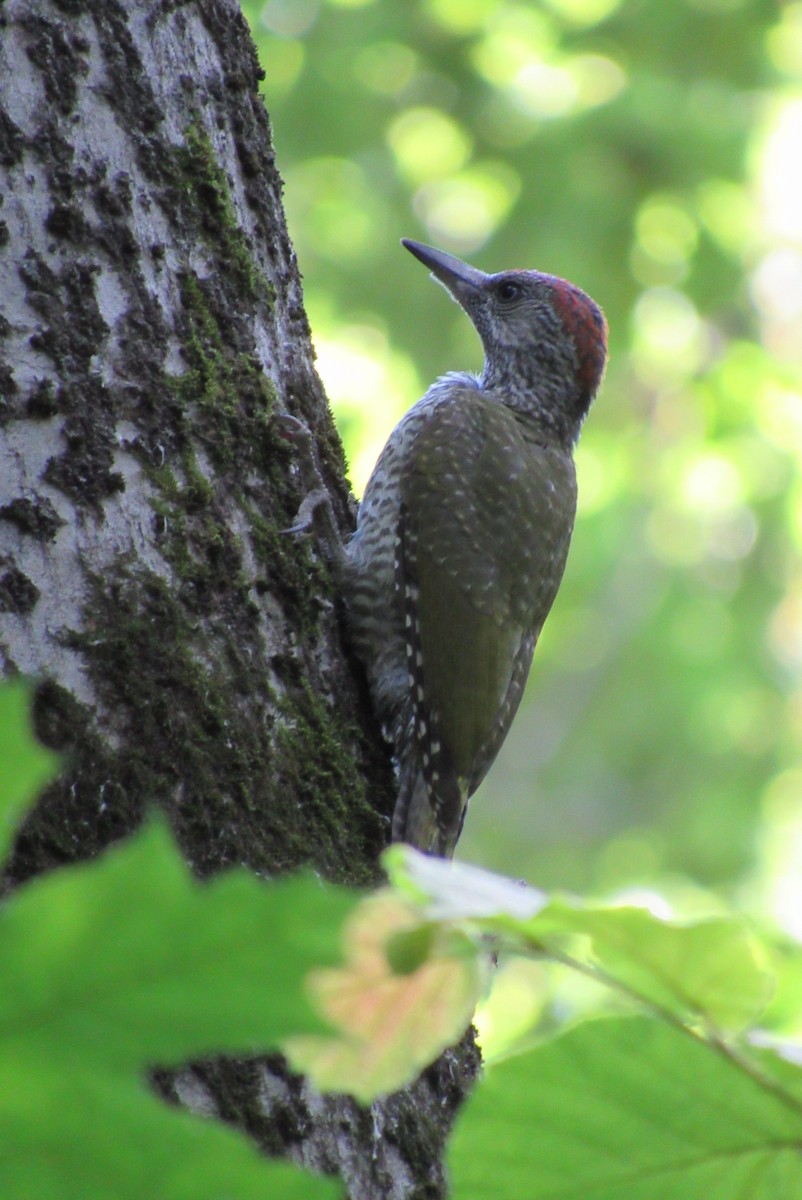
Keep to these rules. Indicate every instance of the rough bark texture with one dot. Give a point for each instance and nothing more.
(190, 654)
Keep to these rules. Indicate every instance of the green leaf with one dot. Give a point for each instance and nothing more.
(128, 960)
(785, 1010)
(626, 1109)
(709, 969)
(79, 1134)
(25, 765)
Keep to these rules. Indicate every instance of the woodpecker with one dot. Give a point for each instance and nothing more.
(462, 537)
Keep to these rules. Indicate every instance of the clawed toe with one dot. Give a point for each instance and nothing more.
(304, 523)
(291, 428)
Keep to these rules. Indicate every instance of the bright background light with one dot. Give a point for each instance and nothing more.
(652, 153)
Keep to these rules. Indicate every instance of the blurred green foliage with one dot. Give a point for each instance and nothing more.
(114, 965)
(651, 153)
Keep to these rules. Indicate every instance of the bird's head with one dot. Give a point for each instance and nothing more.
(545, 341)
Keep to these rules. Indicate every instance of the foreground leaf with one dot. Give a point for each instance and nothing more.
(86, 1134)
(785, 1009)
(391, 1025)
(626, 1109)
(25, 765)
(709, 969)
(129, 961)
(455, 891)
(112, 966)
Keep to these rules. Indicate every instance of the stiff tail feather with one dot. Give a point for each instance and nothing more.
(428, 814)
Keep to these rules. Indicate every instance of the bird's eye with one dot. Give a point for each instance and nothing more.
(508, 290)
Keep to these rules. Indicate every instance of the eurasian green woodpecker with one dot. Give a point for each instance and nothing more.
(463, 533)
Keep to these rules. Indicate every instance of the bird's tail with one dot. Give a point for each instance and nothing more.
(428, 813)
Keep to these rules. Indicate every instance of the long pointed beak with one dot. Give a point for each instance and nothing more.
(460, 278)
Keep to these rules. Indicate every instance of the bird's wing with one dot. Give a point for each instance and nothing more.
(487, 519)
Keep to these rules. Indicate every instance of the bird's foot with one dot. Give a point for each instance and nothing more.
(316, 512)
(293, 430)
(304, 521)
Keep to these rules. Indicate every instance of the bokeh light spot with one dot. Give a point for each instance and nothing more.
(461, 17)
(598, 79)
(368, 384)
(385, 67)
(428, 144)
(777, 284)
(602, 470)
(784, 41)
(782, 173)
(777, 291)
(465, 210)
(584, 12)
(519, 38)
(544, 90)
(283, 60)
(669, 339)
(782, 849)
(784, 635)
(728, 213)
(712, 483)
(333, 209)
(665, 231)
(289, 18)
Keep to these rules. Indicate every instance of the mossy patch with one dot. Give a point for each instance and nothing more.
(243, 778)
(33, 515)
(234, 396)
(18, 593)
(316, 744)
(208, 190)
(60, 57)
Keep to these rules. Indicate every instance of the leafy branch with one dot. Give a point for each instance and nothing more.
(127, 962)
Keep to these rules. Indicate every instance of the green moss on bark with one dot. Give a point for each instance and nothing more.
(234, 397)
(242, 776)
(315, 743)
(199, 169)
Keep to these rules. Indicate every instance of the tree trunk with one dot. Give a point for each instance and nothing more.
(190, 654)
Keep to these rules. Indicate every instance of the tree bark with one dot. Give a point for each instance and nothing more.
(190, 654)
